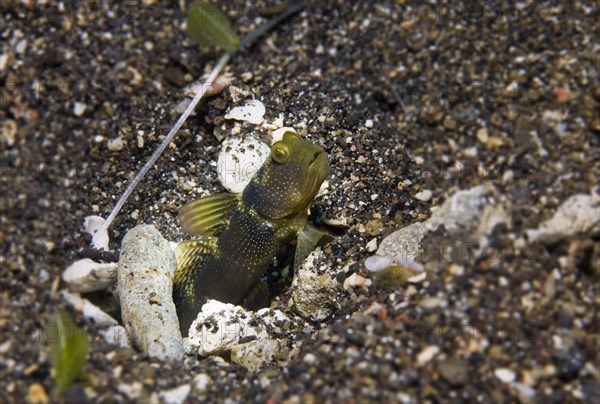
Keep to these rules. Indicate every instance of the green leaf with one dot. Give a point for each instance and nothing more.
(208, 26)
(69, 348)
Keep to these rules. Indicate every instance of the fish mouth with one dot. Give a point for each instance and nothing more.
(318, 170)
(319, 164)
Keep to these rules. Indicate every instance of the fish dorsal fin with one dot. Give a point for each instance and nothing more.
(190, 254)
(308, 239)
(208, 216)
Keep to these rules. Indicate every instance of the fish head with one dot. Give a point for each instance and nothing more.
(289, 179)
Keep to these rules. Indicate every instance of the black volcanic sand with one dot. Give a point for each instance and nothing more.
(403, 98)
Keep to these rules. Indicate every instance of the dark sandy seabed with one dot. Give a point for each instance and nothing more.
(508, 92)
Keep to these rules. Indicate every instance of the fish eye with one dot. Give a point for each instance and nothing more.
(280, 153)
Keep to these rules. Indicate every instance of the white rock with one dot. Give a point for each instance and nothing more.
(357, 281)
(469, 214)
(254, 354)
(239, 160)
(314, 288)
(92, 313)
(310, 358)
(525, 392)
(377, 262)
(427, 354)
(432, 302)
(176, 395)
(418, 278)
(145, 273)
(79, 108)
(220, 326)
(4, 58)
(580, 214)
(116, 335)
(424, 195)
(116, 144)
(372, 245)
(201, 382)
(92, 225)
(86, 275)
(132, 391)
(278, 134)
(238, 93)
(278, 122)
(505, 375)
(252, 111)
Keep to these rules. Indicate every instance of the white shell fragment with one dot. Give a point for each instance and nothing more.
(220, 326)
(376, 263)
(145, 272)
(116, 335)
(218, 86)
(278, 134)
(505, 375)
(252, 111)
(176, 395)
(91, 225)
(90, 311)
(427, 354)
(578, 214)
(86, 275)
(239, 160)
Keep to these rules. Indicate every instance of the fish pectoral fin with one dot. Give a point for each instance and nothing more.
(208, 216)
(190, 254)
(257, 298)
(310, 238)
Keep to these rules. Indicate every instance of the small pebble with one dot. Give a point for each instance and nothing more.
(252, 111)
(4, 62)
(378, 262)
(79, 108)
(115, 144)
(21, 46)
(9, 132)
(372, 245)
(482, 135)
(505, 375)
(310, 358)
(427, 354)
(356, 281)
(424, 195)
(176, 395)
(369, 123)
(36, 394)
(201, 382)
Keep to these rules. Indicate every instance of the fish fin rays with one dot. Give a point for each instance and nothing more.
(190, 254)
(310, 238)
(208, 216)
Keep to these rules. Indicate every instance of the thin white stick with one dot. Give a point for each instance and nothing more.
(136, 180)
